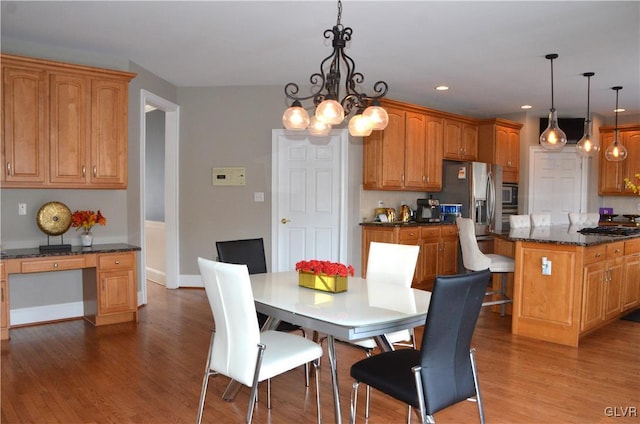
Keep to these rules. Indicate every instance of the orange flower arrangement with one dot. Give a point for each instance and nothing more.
(87, 219)
(325, 267)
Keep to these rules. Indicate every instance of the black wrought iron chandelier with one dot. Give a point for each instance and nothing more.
(325, 94)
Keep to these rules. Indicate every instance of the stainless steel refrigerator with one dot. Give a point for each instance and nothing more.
(478, 187)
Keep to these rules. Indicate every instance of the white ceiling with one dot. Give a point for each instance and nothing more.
(491, 54)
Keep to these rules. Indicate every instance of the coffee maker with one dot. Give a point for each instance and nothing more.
(428, 210)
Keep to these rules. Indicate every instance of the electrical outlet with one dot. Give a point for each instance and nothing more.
(22, 208)
(380, 204)
(546, 266)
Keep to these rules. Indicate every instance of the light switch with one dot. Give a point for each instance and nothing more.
(258, 196)
(22, 208)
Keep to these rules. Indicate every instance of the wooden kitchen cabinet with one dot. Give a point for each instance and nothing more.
(24, 124)
(116, 294)
(499, 142)
(407, 155)
(81, 117)
(460, 140)
(438, 248)
(612, 174)
(631, 278)
(602, 284)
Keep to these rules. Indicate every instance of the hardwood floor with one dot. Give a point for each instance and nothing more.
(72, 372)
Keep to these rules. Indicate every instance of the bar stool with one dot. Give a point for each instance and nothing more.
(474, 260)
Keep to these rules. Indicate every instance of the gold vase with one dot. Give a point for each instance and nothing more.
(323, 282)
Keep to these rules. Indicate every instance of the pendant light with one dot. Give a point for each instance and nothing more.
(553, 138)
(616, 152)
(587, 147)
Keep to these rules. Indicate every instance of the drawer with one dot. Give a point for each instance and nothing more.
(615, 250)
(3, 272)
(116, 261)
(449, 231)
(409, 235)
(52, 264)
(632, 247)
(595, 254)
(431, 232)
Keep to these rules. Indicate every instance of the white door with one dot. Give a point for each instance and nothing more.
(558, 183)
(309, 198)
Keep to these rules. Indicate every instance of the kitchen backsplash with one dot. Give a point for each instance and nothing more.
(392, 199)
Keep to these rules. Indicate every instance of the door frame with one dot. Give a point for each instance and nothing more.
(171, 184)
(343, 139)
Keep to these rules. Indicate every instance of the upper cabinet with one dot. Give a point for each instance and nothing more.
(407, 155)
(499, 143)
(460, 140)
(63, 126)
(612, 174)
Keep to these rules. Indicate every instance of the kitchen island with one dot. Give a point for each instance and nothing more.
(588, 281)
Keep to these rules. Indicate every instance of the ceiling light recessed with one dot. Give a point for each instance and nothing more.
(526, 107)
(442, 88)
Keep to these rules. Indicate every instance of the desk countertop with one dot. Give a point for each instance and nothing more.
(75, 250)
(560, 234)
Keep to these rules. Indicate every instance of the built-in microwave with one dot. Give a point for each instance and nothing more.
(509, 196)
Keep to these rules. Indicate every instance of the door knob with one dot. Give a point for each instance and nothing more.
(285, 220)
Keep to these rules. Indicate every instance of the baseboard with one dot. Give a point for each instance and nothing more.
(191, 281)
(156, 276)
(45, 313)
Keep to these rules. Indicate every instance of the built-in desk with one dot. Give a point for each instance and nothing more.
(109, 279)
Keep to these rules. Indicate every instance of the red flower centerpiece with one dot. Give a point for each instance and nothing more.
(324, 275)
(86, 220)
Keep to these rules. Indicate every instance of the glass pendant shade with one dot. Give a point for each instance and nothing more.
(318, 128)
(360, 126)
(587, 146)
(553, 138)
(295, 118)
(377, 116)
(616, 152)
(330, 112)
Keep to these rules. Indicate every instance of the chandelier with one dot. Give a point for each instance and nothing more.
(325, 93)
(553, 138)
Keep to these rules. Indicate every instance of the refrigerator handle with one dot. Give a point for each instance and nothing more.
(491, 199)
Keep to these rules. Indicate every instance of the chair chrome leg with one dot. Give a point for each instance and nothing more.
(254, 386)
(354, 402)
(418, 379)
(367, 402)
(205, 382)
(503, 294)
(268, 393)
(476, 382)
(316, 366)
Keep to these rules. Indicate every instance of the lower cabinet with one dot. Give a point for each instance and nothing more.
(113, 297)
(631, 279)
(438, 249)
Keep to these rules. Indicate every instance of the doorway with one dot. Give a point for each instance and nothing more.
(169, 189)
(558, 183)
(309, 203)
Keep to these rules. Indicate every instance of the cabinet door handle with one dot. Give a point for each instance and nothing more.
(117, 262)
(95, 171)
(84, 171)
(618, 251)
(598, 255)
(1, 294)
(55, 265)
(8, 168)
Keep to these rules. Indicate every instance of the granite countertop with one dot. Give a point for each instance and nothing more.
(75, 250)
(560, 234)
(403, 224)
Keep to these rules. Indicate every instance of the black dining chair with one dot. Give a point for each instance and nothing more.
(443, 372)
(250, 252)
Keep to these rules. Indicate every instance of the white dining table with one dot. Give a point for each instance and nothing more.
(364, 310)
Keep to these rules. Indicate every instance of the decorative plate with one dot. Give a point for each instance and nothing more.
(54, 218)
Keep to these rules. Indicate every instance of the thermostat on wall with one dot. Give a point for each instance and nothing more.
(228, 177)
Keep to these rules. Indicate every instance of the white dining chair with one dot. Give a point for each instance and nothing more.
(391, 264)
(474, 260)
(519, 221)
(238, 349)
(540, 219)
(588, 219)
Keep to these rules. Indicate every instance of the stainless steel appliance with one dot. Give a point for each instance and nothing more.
(477, 187)
(450, 211)
(509, 203)
(428, 210)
